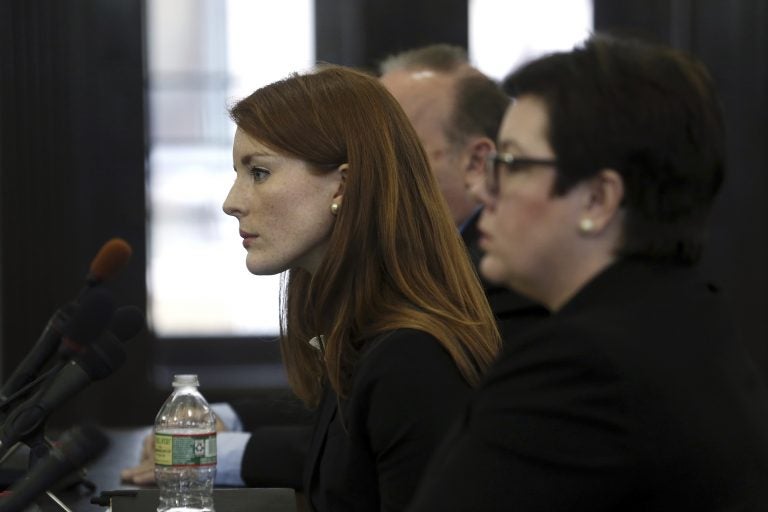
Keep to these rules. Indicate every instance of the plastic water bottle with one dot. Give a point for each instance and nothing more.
(185, 449)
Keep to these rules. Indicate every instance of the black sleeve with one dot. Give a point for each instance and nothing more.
(275, 407)
(274, 456)
(280, 426)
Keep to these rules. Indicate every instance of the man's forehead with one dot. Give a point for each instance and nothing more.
(416, 76)
(422, 74)
(415, 84)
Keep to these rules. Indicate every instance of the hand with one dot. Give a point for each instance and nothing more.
(144, 473)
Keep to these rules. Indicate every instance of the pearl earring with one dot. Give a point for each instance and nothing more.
(335, 208)
(586, 225)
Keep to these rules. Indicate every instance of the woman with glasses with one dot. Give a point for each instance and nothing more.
(385, 326)
(636, 394)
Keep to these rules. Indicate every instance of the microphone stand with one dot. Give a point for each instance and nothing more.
(39, 449)
(39, 446)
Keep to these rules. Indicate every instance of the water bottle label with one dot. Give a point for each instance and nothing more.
(185, 449)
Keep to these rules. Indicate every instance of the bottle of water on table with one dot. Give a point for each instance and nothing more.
(185, 449)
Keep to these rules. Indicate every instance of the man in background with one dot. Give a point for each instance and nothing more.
(456, 111)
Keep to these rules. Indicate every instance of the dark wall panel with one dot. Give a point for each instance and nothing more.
(733, 41)
(72, 174)
(362, 32)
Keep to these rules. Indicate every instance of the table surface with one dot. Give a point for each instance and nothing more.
(123, 451)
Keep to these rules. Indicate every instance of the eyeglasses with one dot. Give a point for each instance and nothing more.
(495, 161)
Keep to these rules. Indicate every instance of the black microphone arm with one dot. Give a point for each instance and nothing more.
(101, 359)
(76, 448)
(109, 260)
(78, 323)
(41, 351)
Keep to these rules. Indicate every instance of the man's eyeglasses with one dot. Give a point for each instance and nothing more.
(495, 161)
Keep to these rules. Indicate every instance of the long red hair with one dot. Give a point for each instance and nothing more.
(395, 259)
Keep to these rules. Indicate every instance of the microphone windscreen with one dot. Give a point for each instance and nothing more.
(127, 323)
(91, 318)
(110, 259)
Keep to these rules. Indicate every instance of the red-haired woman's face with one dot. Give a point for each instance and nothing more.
(282, 206)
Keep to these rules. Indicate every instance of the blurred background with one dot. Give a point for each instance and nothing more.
(113, 124)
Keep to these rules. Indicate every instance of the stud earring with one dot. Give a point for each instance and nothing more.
(586, 225)
(335, 208)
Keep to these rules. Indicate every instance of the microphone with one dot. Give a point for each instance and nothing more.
(109, 260)
(100, 360)
(109, 355)
(77, 446)
(127, 323)
(78, 325)
(95, 313)
(41, 351)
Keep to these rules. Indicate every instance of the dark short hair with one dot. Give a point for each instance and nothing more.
(479, 107)
(648, 112)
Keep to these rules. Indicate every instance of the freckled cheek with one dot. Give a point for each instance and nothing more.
(296, 218)
(267, 216)
(262, 210)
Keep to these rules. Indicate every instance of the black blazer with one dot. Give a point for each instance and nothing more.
(369, 451)
(635, 396)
